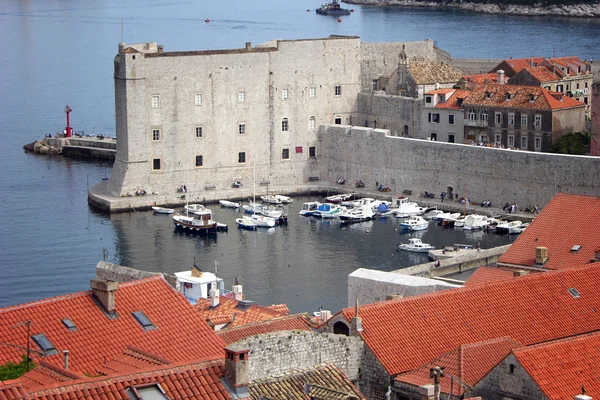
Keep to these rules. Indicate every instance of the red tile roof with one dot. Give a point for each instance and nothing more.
(485, 275)
(469, 363)
(453, 101)
(181, 333)
(517, 64)
(542, 73)
(566, 221)
(294, 322)
(200, 380)
(520, 97)
(327, 382)
(228, 308)
(481, 78)
(559, 368)
(10, 390)
(47, 374)
(406, 334)
(567, 62)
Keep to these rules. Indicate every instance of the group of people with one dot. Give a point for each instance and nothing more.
(486, 203)
(383, 188)
(492, 145)
(140, 192)
(341, 180)
(183, 188)
(510, 207)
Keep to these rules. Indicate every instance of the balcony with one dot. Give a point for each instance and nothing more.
(477, 123)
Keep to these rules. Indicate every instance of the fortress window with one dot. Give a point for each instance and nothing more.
(242, 157)
(524, 142)
(524, 121)
(198, 99)
(285, 154)
(156, 164)
(155, 134)
(155, 101)
(284, 94)
(285, 126)
(199, 132)
(198, 161)
(312, 92)
(451, 119)
(312, 123)
(337, 120)
(312, 151)
(242, 129)
(241, 97)
(338, 90)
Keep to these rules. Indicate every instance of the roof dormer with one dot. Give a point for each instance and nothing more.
(488, 94)
(508, 96)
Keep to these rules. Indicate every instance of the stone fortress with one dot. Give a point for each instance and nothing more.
(293, 111)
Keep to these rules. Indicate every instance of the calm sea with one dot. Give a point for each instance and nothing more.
(58, 52)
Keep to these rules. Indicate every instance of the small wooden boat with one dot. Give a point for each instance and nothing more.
(163, 210)
(229, 204)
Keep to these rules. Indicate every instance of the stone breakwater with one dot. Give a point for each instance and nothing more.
(558, 10)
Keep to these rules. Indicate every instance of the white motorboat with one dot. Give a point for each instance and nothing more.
(403, 206)
(309, 208)
(416, 245)
(195, 208)
(506, 226)
(459, 222)
(327, 210)
(364, 213)
(432, 214)
(198, 222)
(269, 211)
(518, 229)
(252, 207)
(414, 223)
(338, 198)
(475, 222)
(450, 219)
(284, 199)
(270, 199)
(246, 222)
(221, 227)
(163, 210)
(358, 203)
(229, 204)
(262, 221)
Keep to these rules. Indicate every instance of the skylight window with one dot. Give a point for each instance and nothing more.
(143, 320)
(44, 344)
(70, 325)
(576, 248)
(575, 293)
(146, 392)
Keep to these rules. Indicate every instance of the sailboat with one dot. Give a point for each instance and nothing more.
(199, 222)
(248, 222)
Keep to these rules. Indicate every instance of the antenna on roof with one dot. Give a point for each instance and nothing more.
(28, 324)
(121, 30)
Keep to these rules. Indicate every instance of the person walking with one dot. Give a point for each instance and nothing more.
(442, 196)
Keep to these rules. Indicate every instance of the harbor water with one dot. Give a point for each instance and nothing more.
(58, 52)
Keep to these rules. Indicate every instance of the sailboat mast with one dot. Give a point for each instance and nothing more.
(187, 211)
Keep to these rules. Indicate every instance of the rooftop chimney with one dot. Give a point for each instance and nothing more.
(248, 46)
(66, 358)
(214, 297)
(393, 296)
(519, 272)
(160, 48)
(426, 392)
(104, 292)
(501, 76)
(356, 320)
(244, 304)
(237, 291)
(325, 315)
(236, 369)
(541, 255)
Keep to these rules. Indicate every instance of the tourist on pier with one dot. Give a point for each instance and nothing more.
(442, 196)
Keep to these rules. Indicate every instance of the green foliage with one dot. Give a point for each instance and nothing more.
(11, 370)
(573, 143)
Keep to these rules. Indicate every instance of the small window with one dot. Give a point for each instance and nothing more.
(434, 118)
(524, 142)
(242, 157)
(451, 119)
(198, 161)
(577, 87)
(538, 121)
(511, 141)
(155, 101)
(498, 138)
(498, 118)
(523, 121)
(511, 368)
(70, 325)
(442, 98)
(242, 129)
(538, 144)
(143, 320)
(483, 116)
(151, 391)
(285, 154)
(472, 116)
(312, 123)
(428, 99)
(155, 134)
(284, 94)
(241, 97)
(312, 151)
(199, 132)
(585, 100)
(312, 92)
(198, 99)
(337, 120)
(338, 90)
(511, 118)
(450, 138)
(575, 293)
(285, 125)
(156, 164)
(44, 344)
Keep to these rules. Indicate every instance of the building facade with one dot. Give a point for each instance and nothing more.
(443, 117)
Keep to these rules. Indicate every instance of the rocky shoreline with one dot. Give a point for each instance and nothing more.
(557, 10)
(42, 147)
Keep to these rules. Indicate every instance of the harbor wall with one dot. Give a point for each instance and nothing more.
(479, 173)
(279, 352)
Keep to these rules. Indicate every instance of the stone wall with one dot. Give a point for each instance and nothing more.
(474, 66)
(500, 175)
(119, 273)
(279, 352)
(400, 115)
(500, 383)
(595, 142)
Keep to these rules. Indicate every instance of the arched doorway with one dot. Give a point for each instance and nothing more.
(340, 328)
(450, 193)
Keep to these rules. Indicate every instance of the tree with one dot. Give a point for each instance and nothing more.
(572, 143)
(11, 370)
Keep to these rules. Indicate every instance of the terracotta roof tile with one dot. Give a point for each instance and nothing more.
(454, 102)
(469, 363)
(12, 390)
(294, 322)
(517, 64)
(559, 368)
(481, 78)
(99, 339)
(430, 72)
(228, 307)
(406, 334)
(485, 275)
(327, 382)
(582, 213)
(520, 97)
(542, 73)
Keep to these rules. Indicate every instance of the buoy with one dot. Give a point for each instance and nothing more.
(207, 20)
(352, 10)
(339, 20)
(307, 10)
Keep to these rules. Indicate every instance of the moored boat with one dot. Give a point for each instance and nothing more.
(262, 221)
(507, 226)
(284, 199)
(332, 9)
(309, 208)
(328, 210)
(163, 210)
(416, 245)
(338, 198)
(475, 222)
(246, 222)
(518, 229)
(229, 204)
(198, 222)
(195, 208)
(414, 223)
(270, 199)
(364, 213)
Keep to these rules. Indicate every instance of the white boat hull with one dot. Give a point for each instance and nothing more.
(229, 204)
(163, 210)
